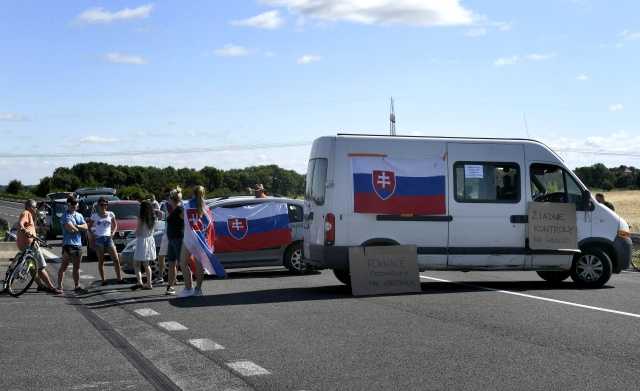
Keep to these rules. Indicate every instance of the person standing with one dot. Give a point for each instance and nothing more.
(197, 203)
(103, 225)
(145, 245)
(174, 236)
(600, 199)
(24, 238)
(72, 224)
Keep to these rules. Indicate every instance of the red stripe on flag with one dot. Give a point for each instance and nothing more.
(417, 205)
(259, 241)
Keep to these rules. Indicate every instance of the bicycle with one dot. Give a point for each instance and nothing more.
(635, 254)
(23, 270)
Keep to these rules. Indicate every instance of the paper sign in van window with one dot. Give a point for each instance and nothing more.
(473, 171)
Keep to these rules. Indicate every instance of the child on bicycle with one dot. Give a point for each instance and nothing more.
(24, 239)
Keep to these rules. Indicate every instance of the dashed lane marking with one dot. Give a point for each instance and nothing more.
(569, 303)
(247, 368)
(146, 312)
(205, 344)
(172, 326)
(87, 277)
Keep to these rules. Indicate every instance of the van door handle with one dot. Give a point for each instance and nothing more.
(519, 219)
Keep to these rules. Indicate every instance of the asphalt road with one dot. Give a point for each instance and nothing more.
(265, 329)
(10, 211)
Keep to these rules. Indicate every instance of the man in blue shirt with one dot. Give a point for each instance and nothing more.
(72, 223)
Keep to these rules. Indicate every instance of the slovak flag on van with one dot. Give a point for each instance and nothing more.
(252, 227)
(383, 185)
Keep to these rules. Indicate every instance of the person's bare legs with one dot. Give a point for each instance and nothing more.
(173, 274)
(162, 264)
(66, 258)
(44, 278)
(139, 267)
(147, 268)
(116, 262)
(76, 269)
(186, 271)
(100, 254)
(199, 275)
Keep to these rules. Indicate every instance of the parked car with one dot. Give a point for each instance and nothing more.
(54, 209)
(471, 197)
(288, 255)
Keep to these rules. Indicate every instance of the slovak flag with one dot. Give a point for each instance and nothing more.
(252, 227)
(199, 237)
(383, 185)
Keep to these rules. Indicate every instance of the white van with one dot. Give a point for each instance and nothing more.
(469, 212)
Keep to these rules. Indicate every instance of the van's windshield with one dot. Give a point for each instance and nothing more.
(316, 180)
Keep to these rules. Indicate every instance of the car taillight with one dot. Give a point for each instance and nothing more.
(329, 229)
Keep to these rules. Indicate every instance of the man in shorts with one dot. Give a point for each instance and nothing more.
(72, 223)
(24, 238)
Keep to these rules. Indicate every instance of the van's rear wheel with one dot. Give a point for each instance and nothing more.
(554, 277)
(343, 276)
(591, 269)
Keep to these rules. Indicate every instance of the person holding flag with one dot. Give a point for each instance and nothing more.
(198, 243)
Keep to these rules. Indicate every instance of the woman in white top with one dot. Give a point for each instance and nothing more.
(145, 244)
(103, 225)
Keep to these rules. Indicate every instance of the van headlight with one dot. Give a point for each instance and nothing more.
(624, 231)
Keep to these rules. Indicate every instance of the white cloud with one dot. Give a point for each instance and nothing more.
(269, 20)
(407, 12)
(503, 26)
(616, 107)
(502, 61)
(540, 56)
(12, 117)
(630, 35)
(120, 58)
(614, 149)
(231, 50)
(512, 60)
(582, 77)
(98, 140)
(308, 59)
(476, 32)
(100, 15)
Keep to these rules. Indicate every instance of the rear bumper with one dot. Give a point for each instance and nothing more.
(623, 248)
(328, 257)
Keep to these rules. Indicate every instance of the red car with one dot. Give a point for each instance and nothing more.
(127, 218)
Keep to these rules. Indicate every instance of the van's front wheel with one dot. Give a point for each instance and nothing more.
(343, 276)
(591, 269)
(554, 277)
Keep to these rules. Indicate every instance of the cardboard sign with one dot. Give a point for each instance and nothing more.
(552, 226)
(384, 270)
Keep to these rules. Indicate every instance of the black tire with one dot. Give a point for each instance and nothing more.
(343, 276)
(591, 269)
(22, 277)
(293, 259)
(554, 277)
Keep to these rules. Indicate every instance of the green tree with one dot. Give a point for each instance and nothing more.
(15, 187)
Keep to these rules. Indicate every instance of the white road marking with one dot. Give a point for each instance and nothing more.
(205, 344)
(172, 326)
(569, 303)
(87, 277)
(247, 368)
(146, 312)
(126, 301)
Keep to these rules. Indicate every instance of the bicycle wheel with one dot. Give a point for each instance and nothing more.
(635, 258)
(22, 277)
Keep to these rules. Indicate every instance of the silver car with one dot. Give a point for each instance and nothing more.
(289, 255)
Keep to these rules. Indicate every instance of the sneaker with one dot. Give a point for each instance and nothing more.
(186, 293)
(170, 291)
(80, 291)
(197, 292)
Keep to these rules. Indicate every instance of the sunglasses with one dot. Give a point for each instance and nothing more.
(105, 205)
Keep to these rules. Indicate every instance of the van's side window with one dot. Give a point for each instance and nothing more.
(551, 183)
(316, 180)
(487, 182)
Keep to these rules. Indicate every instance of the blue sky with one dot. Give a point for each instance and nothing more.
(87, 78)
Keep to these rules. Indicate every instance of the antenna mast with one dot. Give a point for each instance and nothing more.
(392, 119)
